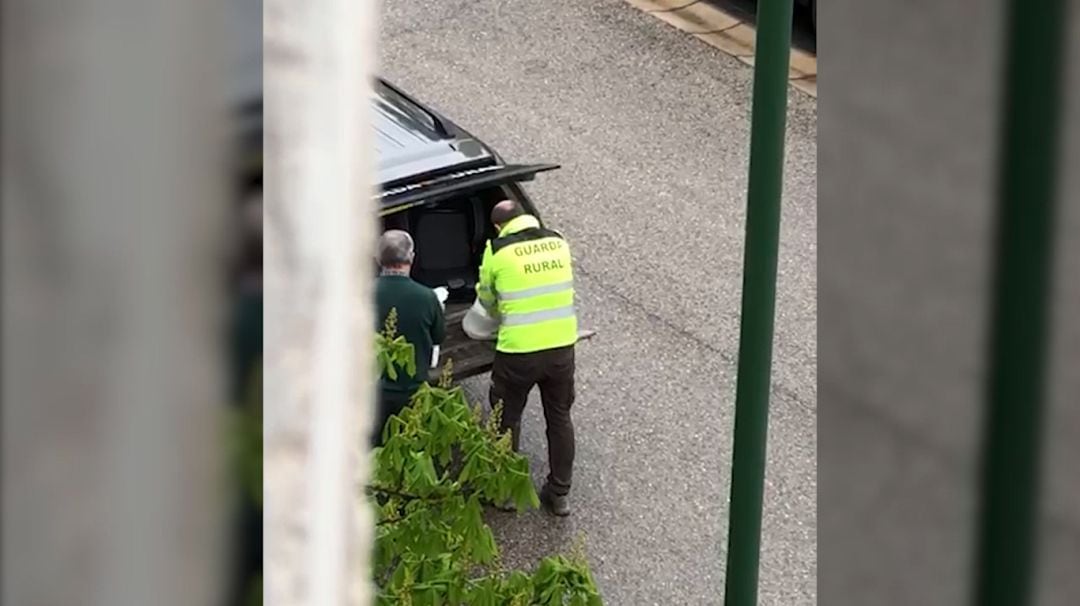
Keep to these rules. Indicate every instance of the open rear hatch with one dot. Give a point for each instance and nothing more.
(440, 187)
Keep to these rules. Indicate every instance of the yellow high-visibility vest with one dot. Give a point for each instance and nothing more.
(527, 281)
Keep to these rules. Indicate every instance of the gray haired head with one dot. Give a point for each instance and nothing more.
(395, 248)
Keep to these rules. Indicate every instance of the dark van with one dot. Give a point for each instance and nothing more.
(439, 183)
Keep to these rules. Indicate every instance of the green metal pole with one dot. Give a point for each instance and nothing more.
(769, 114)
(1019, 318)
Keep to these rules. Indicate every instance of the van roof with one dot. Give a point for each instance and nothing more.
(412, 140)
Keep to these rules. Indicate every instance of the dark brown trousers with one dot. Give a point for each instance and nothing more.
(513, 377)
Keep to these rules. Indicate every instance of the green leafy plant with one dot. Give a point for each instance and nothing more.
(392, 350)
(440, 462)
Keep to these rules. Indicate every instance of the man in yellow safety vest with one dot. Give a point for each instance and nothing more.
(527, 282)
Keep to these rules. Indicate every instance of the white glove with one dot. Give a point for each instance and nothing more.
(442, 294)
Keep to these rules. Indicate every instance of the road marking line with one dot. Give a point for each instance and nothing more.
(717, 28)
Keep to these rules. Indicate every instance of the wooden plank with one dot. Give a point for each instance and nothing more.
(470, 357)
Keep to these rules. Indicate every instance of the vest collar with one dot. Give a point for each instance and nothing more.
(519, 224)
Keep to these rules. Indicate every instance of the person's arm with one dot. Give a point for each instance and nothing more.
(485, 288)
(438, 325)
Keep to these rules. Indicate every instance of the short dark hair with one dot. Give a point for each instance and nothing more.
(505, 211)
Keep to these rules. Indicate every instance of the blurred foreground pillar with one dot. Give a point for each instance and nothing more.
(1012, 445)
(114, 124)
(318, 56)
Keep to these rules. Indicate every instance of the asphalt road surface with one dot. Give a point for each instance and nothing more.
(652, 129)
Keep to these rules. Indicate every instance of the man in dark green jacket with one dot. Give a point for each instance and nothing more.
(419, 319)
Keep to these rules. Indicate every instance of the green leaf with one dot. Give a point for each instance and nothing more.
(468, 470)
(427, 471)
(444, 457)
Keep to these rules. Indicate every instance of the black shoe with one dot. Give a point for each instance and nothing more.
(557, 504)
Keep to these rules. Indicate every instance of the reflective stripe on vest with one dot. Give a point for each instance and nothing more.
(535, 291)
(534, 317)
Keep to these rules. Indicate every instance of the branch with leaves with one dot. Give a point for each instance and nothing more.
(440, 462)
(393, 351)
